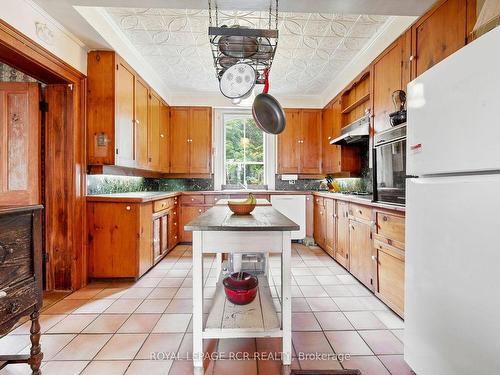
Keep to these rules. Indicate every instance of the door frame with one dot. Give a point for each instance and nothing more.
(66, 266)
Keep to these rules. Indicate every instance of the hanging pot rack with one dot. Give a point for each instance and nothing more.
(236, 44)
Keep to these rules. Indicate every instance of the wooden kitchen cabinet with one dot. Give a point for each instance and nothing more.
(337, 160)
(360, 252)
(188, 213)
(390, 72)
(342, 230)
(160, 235)
(190, 140)
(330, 224)
(154, 133)
(124, 114)
(164, 143)
(142, 125)
(299, 146)
(438, 34)
(319, 222)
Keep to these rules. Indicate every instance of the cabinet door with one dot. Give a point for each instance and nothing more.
(141, 122)
(154, 132)
(310, 142)
(164, 138)
(173, 228)
(188, 213)
(319, 225)
(330, 218)
(164, 230)
(438, 34)
(124, 118)
(179, 145)
(360, 252)
(330, 129)
(342, 232)
(146, 238)
(289, 143)
(390, 275)
(200, 140)
(387, 78)
(19, 143)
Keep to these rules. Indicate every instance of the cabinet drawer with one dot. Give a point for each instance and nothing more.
(19, 298)
(391, 226)
(193, 199)
(164, 204)
(15, 249)
(212, 199)
(390, 275)
(319, 201)
(360, 212)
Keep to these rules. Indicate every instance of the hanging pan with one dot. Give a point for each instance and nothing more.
(267, 112)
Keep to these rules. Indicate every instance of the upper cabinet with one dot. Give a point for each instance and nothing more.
(125, 118)
(299, 146)
(355, 100)
(191, 140)
(390, 72)
(439, 33)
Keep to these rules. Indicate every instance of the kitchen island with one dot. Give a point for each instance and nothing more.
(218, 231)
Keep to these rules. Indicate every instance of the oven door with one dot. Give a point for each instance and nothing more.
(390, 172)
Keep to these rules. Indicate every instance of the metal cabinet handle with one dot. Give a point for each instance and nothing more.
(412, 58)
(162, 136)
(128, 208)
(192, 199)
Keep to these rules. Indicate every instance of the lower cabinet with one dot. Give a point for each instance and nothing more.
(329, 231)
(342, 231)
(189, 213)
(160, 235)
(319, 222)
(360, 252)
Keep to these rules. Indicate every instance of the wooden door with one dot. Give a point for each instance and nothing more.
(289, 143)
(124, 117)
(360, 252)
(141, 123)
(438, 34)
(20, 151)
(387, 78)
(310, 154)
(179, 135)
(390, 271)
(319, 223)
(330, 219)
(154, 133)
(164, 138)
(188, 213)
(342, 234)
(330, 129)
(200, 140)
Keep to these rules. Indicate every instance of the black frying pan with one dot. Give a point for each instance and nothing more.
(267, 112)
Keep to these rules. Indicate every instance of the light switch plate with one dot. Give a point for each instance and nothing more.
(289, 177)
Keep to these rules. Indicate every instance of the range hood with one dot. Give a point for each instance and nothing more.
(357, 132)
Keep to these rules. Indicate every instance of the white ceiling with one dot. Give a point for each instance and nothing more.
(313, 48)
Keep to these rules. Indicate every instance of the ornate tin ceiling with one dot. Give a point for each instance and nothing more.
(312, 49)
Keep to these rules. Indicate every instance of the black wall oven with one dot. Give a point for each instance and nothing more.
(389, 166)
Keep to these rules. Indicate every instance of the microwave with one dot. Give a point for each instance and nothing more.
(389, 166)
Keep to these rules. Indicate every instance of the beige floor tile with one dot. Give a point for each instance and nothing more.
(171, 282)
(149, 367)
(64, 367)
(313, 291)
(390, 319)
(350, 303)
(46, 323)
(322, 364)
(337, 291)
(172, 323)
(184, 293)
(16, 369)
(305, 322)
(106, 323)
(298, 271)
(66, 306)
(322, 304)
(95, 306)
(347, 279)
(400, 334)
(13, 344)
(84, 293)
(310, 342)
(328, 279)
(139, 323)
(111, 293)
(231, 367)
(83, 347)
(52, 344)
(232, 347)
(348, 342)
(165, 344)
(106, 368)
(373, 304)
(186, 348)
(122, 347)
(396, 364)
(163, 293)
(382, 342)
(306, 280)
(136, 293)
(333, 321)
(181, 367)
(73, 323)
(300, 305)
(123, 306)
(177, 273)
(149, 282)
(153, 306)
(364, 320)
(180, 305)
(367, 365)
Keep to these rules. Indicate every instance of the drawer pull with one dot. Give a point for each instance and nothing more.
(3, 294)
(199, 210)
(360, 212)
(374, 258)
(14, 307)
(128, 208)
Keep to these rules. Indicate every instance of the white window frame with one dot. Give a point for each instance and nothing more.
(219, 152)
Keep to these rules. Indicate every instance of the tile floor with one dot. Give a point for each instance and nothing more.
(113, 328)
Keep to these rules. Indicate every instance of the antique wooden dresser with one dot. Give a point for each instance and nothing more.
(21, 277)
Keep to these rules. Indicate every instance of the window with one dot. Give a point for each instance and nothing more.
(244, 150)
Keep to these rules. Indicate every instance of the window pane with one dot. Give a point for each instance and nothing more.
(255, 149)
(234, 134)
(255, 174)
(234, 174)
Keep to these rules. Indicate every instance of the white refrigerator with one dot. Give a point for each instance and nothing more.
(452, 304)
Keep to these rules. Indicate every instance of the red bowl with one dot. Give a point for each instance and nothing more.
(241, 290)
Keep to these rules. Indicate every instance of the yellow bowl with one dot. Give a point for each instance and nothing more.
(241, 209)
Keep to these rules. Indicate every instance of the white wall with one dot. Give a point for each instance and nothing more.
(26, 17)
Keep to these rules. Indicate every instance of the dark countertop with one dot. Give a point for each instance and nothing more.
(360, 199)
(134, 197)
(220, 218)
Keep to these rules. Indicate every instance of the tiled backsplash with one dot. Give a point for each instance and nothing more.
(185, 184)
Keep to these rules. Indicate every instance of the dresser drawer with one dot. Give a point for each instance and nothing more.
(16, 262)
(391, 226)
(193, 199)
(17, 299)
(164, 204)
(360, 212)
